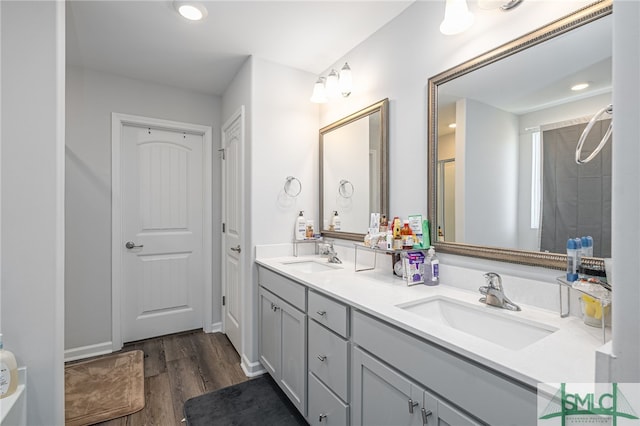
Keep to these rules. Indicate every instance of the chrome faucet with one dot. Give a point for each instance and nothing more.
(330, 251)
(494, 293)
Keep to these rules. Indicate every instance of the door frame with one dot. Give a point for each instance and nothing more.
(239, 114)
(118, 121)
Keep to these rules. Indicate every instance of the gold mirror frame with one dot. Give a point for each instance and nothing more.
(382, 107)
(555, 28)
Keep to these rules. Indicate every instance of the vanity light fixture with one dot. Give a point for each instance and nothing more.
(457, 17)
(498, 4)
(191, 10)
(579, 86)
(333, 85)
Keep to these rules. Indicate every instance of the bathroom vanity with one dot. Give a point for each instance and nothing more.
(363, 348)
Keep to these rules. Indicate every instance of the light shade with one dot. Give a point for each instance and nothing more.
(319, 95)
(192, 10)
(345, 81)
(331, 85)
(457, 17)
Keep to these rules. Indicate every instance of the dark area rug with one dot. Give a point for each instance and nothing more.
(255, 402)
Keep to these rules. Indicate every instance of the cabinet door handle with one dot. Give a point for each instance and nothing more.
(275, 307)
(425, 413)
(412, 404)
(322, 313)
(322, 416)
(322, 357)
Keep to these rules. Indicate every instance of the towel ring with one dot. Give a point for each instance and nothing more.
(345, 189)
(287, 186)
(609, 110)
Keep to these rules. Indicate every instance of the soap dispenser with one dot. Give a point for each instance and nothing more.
(301, 227)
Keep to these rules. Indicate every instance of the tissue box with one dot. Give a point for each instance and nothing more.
(414, 267)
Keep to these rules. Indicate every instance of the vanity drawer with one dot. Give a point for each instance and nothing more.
(324, 407)
(328, 354)
(285, 288)
(329, 313)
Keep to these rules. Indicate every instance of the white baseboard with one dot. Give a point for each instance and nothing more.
(251, 369)
(87, 351)
(216, 327)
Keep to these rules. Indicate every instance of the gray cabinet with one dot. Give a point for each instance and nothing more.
(282, 343)
(328, 361)
(383, 396)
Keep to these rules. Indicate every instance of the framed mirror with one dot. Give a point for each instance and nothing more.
(493, 149)
(354, 171)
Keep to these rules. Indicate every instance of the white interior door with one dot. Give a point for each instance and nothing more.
(232, 250)
(162, 232)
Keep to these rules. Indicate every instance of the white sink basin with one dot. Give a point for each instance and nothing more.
(482, 321)
(311, 266)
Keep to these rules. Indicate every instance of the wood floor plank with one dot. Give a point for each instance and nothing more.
(185, 381)
(179, 367)
(154, 359)
(178, 346)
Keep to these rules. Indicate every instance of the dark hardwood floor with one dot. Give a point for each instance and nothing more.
(178, 367)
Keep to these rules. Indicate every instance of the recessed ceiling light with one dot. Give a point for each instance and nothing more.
(452, 125)
(579, 86)
(191, 10)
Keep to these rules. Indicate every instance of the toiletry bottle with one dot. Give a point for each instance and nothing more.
(426, 238)
(301, 226)
(389, 239)
(578, 256)
(309, 231)
(336, 221)
(572, 260)
(384, 224)
(396, 227)
(433, 263)
(406, 235)
(8, 372)
(587, 246)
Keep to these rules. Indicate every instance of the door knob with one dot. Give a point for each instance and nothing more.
(236, 249)
(132, 245)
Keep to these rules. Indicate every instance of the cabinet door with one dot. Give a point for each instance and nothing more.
(294, 358)
(442, 414)
(381, 396)
(269, 336)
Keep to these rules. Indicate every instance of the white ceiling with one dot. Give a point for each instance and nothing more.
(149, 40)
(539, 77)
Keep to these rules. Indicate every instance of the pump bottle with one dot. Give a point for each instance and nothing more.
(8, 372)
(301, 227)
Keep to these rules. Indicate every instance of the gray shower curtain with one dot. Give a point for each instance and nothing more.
(576, 199)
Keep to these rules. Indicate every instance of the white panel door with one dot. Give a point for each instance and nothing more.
(232, 259)
(162, 230)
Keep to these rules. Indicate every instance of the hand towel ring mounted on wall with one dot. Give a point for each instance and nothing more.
(295, 182)
(609, 110)
(345, 188)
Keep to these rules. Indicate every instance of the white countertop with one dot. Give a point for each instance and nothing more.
(566, 355)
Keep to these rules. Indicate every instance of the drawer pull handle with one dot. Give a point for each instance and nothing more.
(322, 357)
(412, 404)
(275, 307)
(322, 416)
(322, 313)
(425, 414)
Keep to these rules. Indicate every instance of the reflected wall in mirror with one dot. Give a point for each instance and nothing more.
(503, 128)
(354, 171)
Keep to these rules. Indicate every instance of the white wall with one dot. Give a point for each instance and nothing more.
(487, 146)
(32, 289)
(397, 61)
(625, 364)
(281, 140)
(91, 98)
